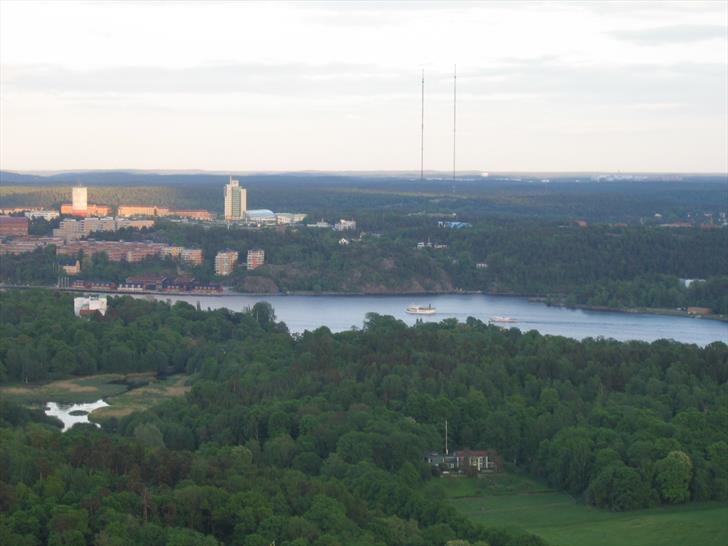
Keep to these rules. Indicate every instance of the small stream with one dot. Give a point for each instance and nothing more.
(72, 414)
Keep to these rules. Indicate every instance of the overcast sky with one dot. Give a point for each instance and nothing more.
(612, 86)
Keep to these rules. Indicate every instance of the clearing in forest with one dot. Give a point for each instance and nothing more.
(518, 503)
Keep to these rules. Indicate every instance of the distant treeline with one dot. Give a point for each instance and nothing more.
(331, 195)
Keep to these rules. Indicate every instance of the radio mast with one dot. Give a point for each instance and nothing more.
(422, 131)
(454, 119)
(446, 450)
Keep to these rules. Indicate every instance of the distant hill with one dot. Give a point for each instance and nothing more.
(201, 178)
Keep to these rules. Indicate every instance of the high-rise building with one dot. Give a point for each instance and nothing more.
(255, 258)
(79, 199)
(225, 261)
(236, 200)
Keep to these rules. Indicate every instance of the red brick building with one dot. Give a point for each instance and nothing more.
(13, 226)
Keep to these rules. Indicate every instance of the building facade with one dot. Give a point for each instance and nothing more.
(236, 201)
(199, 214)
(466, 460)
(126, 211)
(70, 230)
(225, 261)
(91, 210)
(28, 244)
(13, 226)
(191, 256)
(47, 215)
(255, 258)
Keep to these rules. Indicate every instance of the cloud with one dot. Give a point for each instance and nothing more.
(697, 86)
(672, 34)
(546, 78)
(247, 78)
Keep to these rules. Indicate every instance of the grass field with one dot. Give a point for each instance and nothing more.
(142, 398)
(515, 502)
(81, 389)
(125, 393)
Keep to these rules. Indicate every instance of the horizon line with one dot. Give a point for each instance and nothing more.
(410, 172)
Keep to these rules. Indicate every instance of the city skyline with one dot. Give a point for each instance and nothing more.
(599, 86)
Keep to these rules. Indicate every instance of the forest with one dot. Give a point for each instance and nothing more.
(317, 439)
(603, 266)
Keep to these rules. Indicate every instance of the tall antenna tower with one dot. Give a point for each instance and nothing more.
(454, 119)
(447, 452)
(422, 131)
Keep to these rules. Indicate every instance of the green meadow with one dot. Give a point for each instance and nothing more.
(126, 393)
(518, 503)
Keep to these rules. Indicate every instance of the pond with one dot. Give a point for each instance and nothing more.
(73, 414)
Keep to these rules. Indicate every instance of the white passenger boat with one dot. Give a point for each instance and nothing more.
(420, 310)
(502, 319)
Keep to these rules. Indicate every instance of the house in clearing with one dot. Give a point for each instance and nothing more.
(466, 460)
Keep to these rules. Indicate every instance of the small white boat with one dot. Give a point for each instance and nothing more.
(502, 319)
(420, 310)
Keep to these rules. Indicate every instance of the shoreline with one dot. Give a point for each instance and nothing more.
(661, 311)
(536, 299)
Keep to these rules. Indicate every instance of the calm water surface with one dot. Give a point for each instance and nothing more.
(344, 312)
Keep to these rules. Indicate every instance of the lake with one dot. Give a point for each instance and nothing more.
(344, 312)
(64, 412)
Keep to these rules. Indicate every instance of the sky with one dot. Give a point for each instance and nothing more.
(244, 86)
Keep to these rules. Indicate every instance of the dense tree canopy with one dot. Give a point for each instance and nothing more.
(318, 438)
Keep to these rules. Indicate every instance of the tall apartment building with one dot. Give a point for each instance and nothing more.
(236, 200)
(256, 258)
(225, 261)
(79, 198)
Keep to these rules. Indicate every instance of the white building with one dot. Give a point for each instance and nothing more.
(236, 201)
(320, 224)
(345, 225)
(289, 217)
(79, 195)
(261, 217)
(47, 215)
(88, 305)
